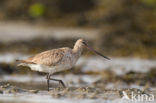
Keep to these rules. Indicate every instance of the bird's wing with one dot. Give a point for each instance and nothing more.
(49, 58)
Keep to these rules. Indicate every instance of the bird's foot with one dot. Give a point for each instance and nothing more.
(61, 82)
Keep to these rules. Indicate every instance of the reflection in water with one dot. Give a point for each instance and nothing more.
(120, 66)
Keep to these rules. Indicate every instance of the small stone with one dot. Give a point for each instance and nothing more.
(34, 91)
(6, 86)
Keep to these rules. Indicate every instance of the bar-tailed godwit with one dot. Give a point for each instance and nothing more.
(56, 60)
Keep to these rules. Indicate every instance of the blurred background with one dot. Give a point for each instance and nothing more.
(124, 30)
(118, 28)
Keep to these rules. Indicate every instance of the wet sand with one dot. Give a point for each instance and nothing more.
(82, 88)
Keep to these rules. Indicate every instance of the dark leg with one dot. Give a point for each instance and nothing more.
(60, 81)
(48, 78)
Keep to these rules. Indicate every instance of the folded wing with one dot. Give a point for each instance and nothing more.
(48, 58)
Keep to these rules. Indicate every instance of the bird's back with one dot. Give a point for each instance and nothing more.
(48, 58)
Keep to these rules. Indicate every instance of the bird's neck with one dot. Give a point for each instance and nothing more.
(77, 50)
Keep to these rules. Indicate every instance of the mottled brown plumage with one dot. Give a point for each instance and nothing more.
(49, 58)
(57, 60)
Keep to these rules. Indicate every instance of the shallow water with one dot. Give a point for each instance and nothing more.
(67, 95)
(119, 66)
(81, 88)
(31, 98)
(39, 82)
(21, 86)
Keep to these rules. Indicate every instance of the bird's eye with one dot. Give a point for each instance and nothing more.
(83, 42)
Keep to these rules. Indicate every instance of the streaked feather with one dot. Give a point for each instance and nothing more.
(48, 58)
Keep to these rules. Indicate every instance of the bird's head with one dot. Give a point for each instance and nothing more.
(81, 43)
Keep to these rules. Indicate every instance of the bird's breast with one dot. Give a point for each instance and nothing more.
(69, 60)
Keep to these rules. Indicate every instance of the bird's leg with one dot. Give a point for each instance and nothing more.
(48, 78)
(60, 81)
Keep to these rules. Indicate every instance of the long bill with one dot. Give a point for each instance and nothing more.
(96, 52)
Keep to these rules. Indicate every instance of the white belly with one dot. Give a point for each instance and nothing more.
(47, 69)
(67, 62)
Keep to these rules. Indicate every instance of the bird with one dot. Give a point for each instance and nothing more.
(57, 60)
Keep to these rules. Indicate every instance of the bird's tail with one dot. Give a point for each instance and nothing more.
(21, 63)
